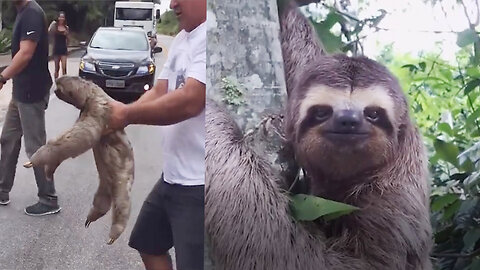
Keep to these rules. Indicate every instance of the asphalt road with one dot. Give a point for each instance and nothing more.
(61, 241)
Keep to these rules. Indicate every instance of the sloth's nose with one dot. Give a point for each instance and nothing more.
(347, 121)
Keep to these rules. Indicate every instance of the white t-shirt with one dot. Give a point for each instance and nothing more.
(184, 142)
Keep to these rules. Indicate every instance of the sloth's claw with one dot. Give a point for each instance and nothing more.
(28, 164)
(87, 223)
(110, 241)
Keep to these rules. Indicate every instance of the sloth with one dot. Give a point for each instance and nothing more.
(348, 123)
(112, 152)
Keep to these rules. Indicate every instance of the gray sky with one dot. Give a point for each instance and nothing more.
(164, 5)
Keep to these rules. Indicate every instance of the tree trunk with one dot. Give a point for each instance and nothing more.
(244, 48)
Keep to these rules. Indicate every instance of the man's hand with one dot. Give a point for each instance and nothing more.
(118, 117)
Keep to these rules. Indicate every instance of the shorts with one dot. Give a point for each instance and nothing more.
(172, 216)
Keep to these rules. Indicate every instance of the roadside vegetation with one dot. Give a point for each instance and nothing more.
(169, 24)
(445, 103)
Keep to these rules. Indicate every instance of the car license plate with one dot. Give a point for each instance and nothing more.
(115, 83)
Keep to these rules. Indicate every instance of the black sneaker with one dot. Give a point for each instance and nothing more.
(40, 209)
(4, 199)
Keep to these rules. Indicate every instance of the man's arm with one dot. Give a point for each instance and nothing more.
(170, 108)
(21, 59)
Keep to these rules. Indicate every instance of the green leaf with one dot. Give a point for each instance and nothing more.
(331, 19)
(446, 128)
(473, 72)
(446, 73)
(446, 151)
(467, 37)
(332, 43)
(470, 239)
(410, 67)
(452, 210)
(471, 85)
(471, 119)
(308, 208)
(422, 65)
(441, 202)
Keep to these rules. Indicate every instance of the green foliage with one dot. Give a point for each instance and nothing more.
(169, 24)
(232, 93)
(5, 40)
(445, 104)
(350, 31)
(83, 16)
(309, 208)
(467, 37)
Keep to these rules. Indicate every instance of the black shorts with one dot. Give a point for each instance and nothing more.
(172, 215)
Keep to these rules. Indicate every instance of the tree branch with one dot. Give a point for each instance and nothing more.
(477, 20)
(466, 14)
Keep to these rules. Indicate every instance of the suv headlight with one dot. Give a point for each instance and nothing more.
(87, 66)
(147, 69)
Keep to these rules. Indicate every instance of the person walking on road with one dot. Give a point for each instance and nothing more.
(173, 212)
(59, 31)
(26, 111)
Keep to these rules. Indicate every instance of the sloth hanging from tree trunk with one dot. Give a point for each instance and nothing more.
(348, 124)
(113, 152)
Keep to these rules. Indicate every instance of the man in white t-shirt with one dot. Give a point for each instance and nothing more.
(173, 213)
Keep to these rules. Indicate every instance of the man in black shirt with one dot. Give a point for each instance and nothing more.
(26, 111)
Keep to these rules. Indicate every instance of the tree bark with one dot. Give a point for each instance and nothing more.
(244, 47)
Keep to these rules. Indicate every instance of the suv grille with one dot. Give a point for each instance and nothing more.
(116, 69)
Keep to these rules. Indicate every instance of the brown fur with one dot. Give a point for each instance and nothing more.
(247, 213)
(113, 152)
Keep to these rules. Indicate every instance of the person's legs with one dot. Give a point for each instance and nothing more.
(157, 262)
(186, 213)
(64, 64)
(56, 59)
(33, 124)
(152, 234)
(10, 142)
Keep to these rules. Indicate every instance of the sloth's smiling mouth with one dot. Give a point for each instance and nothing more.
(346, 137)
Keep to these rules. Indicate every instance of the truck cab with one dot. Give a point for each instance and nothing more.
(144, 15)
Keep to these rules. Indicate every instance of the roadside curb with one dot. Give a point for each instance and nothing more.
(50, 57)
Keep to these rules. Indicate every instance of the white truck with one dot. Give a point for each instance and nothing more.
(145, 15)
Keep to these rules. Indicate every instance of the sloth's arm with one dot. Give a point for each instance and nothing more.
(82, 136)
(73, 142)
(247, 215)
(300, 44)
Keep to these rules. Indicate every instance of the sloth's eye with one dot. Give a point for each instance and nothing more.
(322, 113)
(372, 114)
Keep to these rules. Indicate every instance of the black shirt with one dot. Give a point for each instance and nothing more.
(34, 81)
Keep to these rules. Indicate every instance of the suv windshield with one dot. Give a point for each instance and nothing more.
(120, 40)
(135, 14)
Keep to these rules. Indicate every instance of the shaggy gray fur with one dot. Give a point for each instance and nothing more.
(247, 213)
(113, 152)
(249, 225)
(299, 42)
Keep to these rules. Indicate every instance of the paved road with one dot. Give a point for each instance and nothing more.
(61, 241)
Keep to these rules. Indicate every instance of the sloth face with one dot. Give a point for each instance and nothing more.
(72, 90)
(344, 116)
(344, 131)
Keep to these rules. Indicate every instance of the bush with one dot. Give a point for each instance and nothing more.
(5, 40)
(169, 24)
